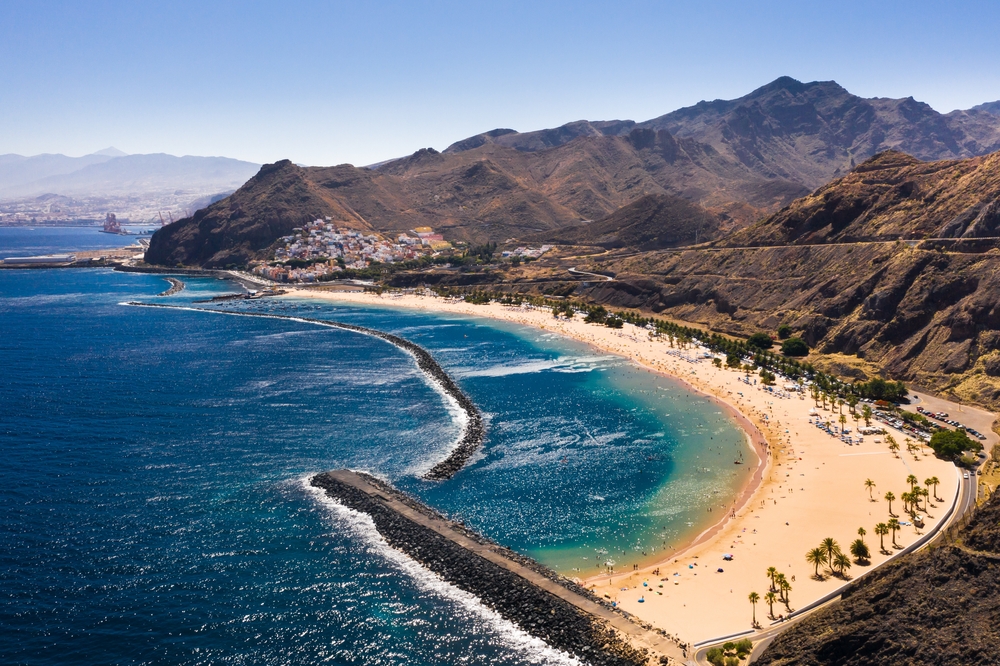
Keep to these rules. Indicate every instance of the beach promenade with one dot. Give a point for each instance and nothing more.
(809, 486)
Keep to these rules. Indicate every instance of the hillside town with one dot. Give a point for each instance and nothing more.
(328, 249)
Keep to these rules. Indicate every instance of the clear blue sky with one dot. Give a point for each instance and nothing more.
(331, 82)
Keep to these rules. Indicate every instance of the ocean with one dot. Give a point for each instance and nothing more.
(154, 500)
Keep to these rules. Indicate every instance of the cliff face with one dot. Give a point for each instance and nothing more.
(935, 607)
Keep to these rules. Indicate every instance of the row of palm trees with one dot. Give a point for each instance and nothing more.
(911, 500)
(829, 553)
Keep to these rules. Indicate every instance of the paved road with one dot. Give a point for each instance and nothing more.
(606, 278)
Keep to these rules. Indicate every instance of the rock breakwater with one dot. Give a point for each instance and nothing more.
(473, 429)
(176, 286)
(540, 603)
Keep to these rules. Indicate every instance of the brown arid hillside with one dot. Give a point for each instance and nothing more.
(937, 607)
(924, 311)
(891, 196)
(807, 133)
(653, 222)
(488, 193)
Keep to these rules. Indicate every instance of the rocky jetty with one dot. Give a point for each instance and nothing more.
(533, 609)
(473, 431)
(176, 286)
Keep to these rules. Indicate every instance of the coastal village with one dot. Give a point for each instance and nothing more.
(321, 249)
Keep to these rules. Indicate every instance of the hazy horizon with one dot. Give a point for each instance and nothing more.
(325, 84)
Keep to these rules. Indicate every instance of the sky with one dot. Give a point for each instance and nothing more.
(324, 82)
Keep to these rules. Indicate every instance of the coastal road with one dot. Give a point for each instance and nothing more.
(576, 271)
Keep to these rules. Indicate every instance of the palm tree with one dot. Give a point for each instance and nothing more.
(786, 587)
(852, 402)
(925, 494)
(831, 548)
(933, 481)
(814, 392)
(816, 557)
(906, 498)
(893, 446)
(754, 598)
(889, 497)
(843, 421)
(881, 530)
(859, 549)
(862, 533)
(843, 562)
(770, 599)
(772, 573)
(894, 525)
(912, 480)
(870, 485)
(866, 414)
(840, 403)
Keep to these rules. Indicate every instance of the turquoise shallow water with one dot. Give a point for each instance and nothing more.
(153, 506)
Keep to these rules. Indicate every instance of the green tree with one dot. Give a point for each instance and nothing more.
(949, 444)
(866, 414)
(795, 347)
(754, 598)
(816, 557)
(784, 331)
(859, 549)
(881, 530)
(890, 498)
(830, 547)
(716, 656)
(843, 562)
(772, 573)
(770, 598)
(894, 525)
(862, 533)
(870, 485)
(843, 421)
(913, 481)
(760, 341)
(933, 481)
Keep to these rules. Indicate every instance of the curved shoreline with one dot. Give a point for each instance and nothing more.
(473, 430)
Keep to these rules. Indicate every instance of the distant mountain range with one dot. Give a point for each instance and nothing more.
(806, 133)
(111, 172)
(737, 160)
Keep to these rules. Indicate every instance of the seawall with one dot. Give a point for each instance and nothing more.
(473, 431)
(537, 600)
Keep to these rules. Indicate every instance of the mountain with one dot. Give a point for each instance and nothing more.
(807, 133)
(933, 607)
(495, 192)
(925, 311)
(988, 107)
(17, 171)
(653, 222)
(107, 175)
(272, 203)
(891, 196)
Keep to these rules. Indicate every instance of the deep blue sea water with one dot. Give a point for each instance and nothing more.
(153, 508)
(29, 241)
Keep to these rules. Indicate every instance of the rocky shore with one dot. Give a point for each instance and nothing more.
(474, 429)
(533, 609)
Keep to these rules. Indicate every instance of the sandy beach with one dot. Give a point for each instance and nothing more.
(809, 486)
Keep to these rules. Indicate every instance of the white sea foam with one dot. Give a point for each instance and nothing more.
(458, 415)
(567, 364)
(362, 526)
